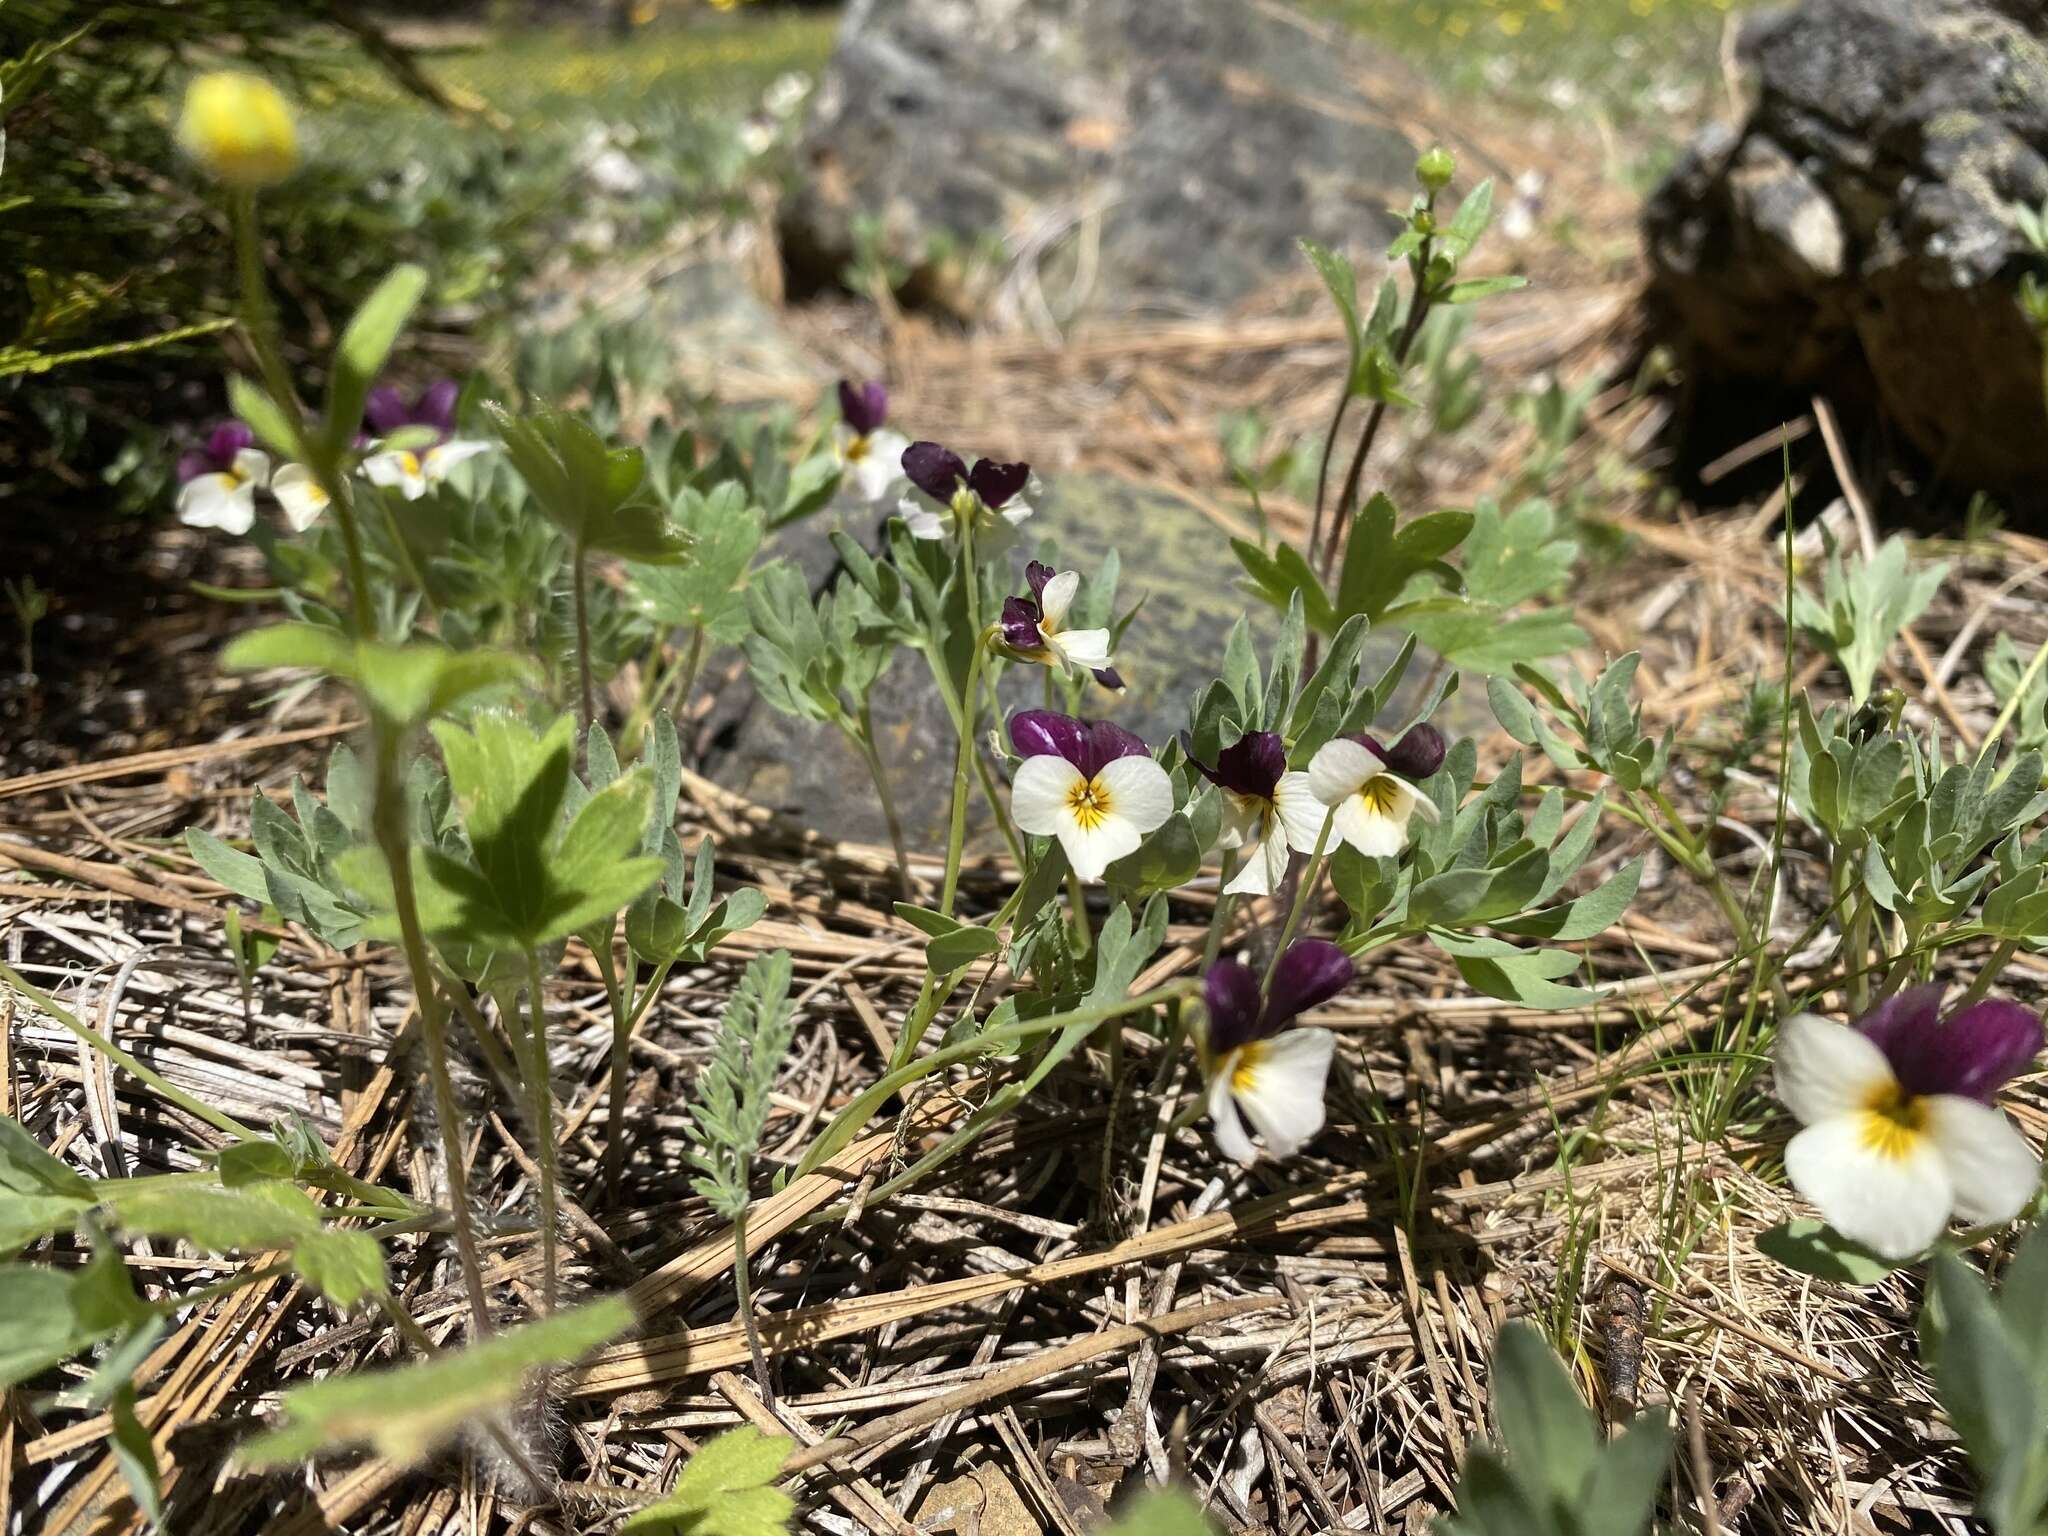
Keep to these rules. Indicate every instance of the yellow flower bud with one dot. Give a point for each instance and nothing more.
(239, 127)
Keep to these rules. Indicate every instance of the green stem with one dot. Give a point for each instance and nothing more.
(849, 1121)
(388, 821)
(1998, 961)
(1219, 920)
(863, 739)
(1310, 879)
(99, 1042)
(655, 699)
(543, 1128)
(260, 322)
(991, 793)
(956, 827)
(583, 638)
(743, 1294)
(623, 1014)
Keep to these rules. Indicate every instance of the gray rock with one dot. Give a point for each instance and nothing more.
(1126, 152)
(1855, 234)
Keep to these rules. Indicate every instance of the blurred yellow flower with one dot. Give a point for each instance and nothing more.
(240, 128)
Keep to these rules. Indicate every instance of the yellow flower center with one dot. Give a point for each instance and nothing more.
(1088, 803)
(856, 449)
(1244, 1072)
(1892, 1122)
(408, 461)
(1381, 795)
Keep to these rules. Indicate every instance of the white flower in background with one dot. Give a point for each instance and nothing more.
(1900, 1132)
(1093, 786)
(221, 480)
(1267, 811)
(431, 414)
(1258, 1069)
(1370, 789)
(299, 494)
(413, 474)
(868, 451)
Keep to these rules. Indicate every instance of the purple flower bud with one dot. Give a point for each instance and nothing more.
(1418, 754)
(1019, 624)
(1036, 575)
(1110, 678)
(1972, 1055)
(1310, 973)
(192, 465)
(1089, 745)
(1251, 767)
(935, 470)
(863, 407)
(996, 483)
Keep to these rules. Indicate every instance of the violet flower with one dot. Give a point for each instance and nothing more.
(429, 415)
(1258, 1069)
(870, 453)
(220, 480)
(1034, 629)
(986, 497)
(1900, 1132)
(1092, 785)
(1370, 789)
(1267, 811)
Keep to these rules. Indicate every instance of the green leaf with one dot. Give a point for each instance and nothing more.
(291, 645)
(726, 1489)
(1341, 279)
(1621, 1496)
(962, 947)
(404, 1412)
(48, 1315)
(260, 414)
(1544, 1424)
(1583, 916)
(1161, 1512)
(136, 1453)
(240, 872)
(1473, 289)
(1817, 1249)
(365, 347)
(1997, 1410)
(258, 1217)
(1482, 639)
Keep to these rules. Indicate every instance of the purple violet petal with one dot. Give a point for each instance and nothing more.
(1895, 1024)
(1311, 973)
(227, 440)
(436, 407)
(1232, 994)
(1110, 678)
(1042, 733)
(192, 465)
(933, 469)
(386, 411)
(1036, 575)
(1019, 624)
(1974, 1054)
(996, 483)
(1418, 754)
(863, 407)
(1107, 742)
(1252, 766)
